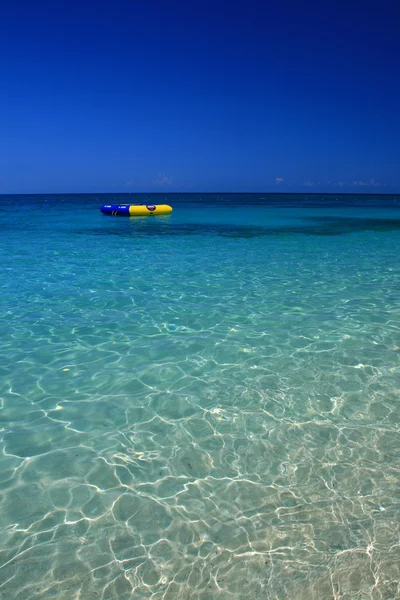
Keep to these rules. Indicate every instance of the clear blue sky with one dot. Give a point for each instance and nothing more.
(148, 95)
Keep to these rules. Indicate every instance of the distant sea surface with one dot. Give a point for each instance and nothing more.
(203, 405)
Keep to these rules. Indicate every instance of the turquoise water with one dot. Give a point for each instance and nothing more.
(203, 405)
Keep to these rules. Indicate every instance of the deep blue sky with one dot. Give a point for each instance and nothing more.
(143, 95)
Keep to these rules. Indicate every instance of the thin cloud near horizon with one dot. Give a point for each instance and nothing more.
(163, 180)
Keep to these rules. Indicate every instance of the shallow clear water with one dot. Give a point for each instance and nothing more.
(200, 405)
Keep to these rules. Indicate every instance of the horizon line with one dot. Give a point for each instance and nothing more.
(198, 193)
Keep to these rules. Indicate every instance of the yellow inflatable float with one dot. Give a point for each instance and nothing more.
(139, 210)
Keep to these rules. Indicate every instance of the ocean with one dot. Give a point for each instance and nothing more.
(200, 405)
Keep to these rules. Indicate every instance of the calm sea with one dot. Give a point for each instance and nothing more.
(203, 405)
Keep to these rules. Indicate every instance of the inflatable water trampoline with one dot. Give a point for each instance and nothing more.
(139, 210)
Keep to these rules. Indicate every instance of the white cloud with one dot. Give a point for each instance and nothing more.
(309, 183)
(371, 183)
(359, 183)
(129, 184)
(279, 180)
(162, 179)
